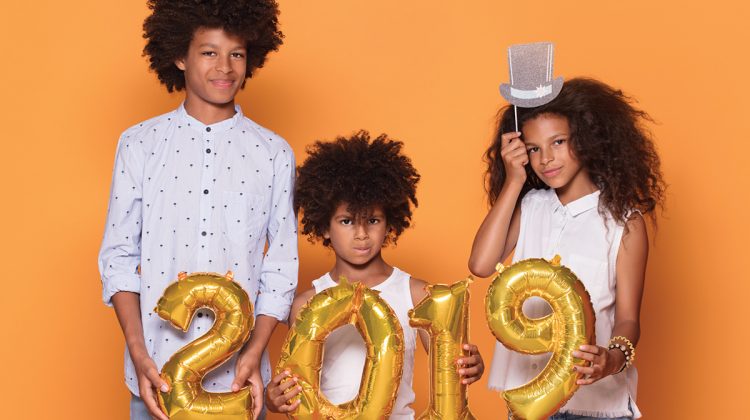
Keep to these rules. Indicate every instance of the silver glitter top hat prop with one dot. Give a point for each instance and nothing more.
(531, 83)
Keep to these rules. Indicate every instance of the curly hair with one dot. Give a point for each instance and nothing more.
(170, 28)
(608, 137)
(360, 172)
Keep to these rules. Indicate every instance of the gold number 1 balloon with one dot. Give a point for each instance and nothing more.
(185, 370)
(302, 353)
(444, 313)
(570, 325)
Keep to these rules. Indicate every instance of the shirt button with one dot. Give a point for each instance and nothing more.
(208, 128)
(203, 233)
(200, 314)
(534, 365)
(208, 150)
(205, 191)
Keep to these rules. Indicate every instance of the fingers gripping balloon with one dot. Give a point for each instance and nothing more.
(444, 313)
(302, 353)
(185, 370)
(570, 325)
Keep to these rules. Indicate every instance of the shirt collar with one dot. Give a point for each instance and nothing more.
(580, 205)
(215, 127)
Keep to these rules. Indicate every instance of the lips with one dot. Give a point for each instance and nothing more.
(362, 250)
(549, 173)
(222, 84)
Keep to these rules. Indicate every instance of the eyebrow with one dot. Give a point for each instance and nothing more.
(210, 45)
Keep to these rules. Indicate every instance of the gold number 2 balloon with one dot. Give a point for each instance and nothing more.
(570, 325)
(302, 353)
(444, 314)
(185, 370)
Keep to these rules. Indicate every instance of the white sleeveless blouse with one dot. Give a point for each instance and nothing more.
(344, 351)
(588, 244)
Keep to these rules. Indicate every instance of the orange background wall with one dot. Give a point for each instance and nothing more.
(423, 71)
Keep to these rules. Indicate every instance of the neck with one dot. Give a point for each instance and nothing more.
(208, 113)
(369, 274)
(581, 185)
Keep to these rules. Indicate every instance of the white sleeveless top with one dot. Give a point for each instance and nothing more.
(344, 351)
(588, 245)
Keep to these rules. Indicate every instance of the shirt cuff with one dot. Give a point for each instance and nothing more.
(274, 305)
(120, 283)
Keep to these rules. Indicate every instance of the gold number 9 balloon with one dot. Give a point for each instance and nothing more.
(185, 370)
(570, 325)
(302, 353)
(444, 313)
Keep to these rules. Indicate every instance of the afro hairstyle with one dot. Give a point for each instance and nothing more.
(172, 24)
(361, 173)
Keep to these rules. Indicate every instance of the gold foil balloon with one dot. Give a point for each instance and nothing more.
(570, 325)
(302, 353)
(185, 370)
(444, 314)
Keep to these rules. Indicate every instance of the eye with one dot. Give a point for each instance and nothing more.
(238, 55)
(559, 142)
(208, 53)
(532, 149)
(345, 222)
(374, 221)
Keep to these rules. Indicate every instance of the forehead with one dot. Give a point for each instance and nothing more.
(217, 37)
(544, 126)
(344, 209)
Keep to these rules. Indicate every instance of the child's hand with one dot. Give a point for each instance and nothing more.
(515, 157)
(248, 370)
(280, 392)
(470, 367)
(148, 382)
(603, 363)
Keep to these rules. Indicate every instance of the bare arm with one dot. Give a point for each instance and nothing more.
(128, 309)
(498, 234)
(631, 274)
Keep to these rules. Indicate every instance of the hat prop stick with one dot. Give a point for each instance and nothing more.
(531, 76)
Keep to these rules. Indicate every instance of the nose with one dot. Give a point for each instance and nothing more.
(360, 231)
(546, 156)
(223, 65)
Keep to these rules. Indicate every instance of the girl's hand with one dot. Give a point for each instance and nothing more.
(280, 392)
(515, 157)
(148, 382)
(603, 363)
(470, 367)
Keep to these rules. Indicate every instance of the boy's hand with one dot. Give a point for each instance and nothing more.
(248, 370)
(470, 367)
(280, 392)
(603, 363)
(148, 381)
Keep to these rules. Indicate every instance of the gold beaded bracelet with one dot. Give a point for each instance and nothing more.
(629, 351)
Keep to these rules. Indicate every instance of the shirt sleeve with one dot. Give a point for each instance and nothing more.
(278, 277)
(120, 252)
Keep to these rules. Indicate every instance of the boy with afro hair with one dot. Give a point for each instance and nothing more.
(356, 196)
(201, 188)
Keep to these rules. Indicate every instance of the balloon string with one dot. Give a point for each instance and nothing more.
(515, 112)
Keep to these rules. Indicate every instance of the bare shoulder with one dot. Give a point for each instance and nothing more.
(636, 233)
(418, 289)
(303, 297)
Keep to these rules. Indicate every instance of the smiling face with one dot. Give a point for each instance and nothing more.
(357, 239)
(214, 68)
(547, 140)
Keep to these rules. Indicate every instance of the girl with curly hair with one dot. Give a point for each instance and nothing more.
(356, 195)
(577, 182)
(200, 188)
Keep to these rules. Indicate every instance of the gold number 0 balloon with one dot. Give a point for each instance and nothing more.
(444, 313)
(570, 325)
(302, 352)
(185, 370)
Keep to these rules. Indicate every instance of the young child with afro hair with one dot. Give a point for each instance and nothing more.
(200, 189)
(355, 195)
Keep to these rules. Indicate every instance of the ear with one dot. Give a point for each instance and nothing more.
(326, 235)
(180, 63)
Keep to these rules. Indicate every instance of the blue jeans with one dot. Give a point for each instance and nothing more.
(138, 410)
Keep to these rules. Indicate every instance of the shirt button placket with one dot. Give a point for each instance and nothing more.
(206, 199)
